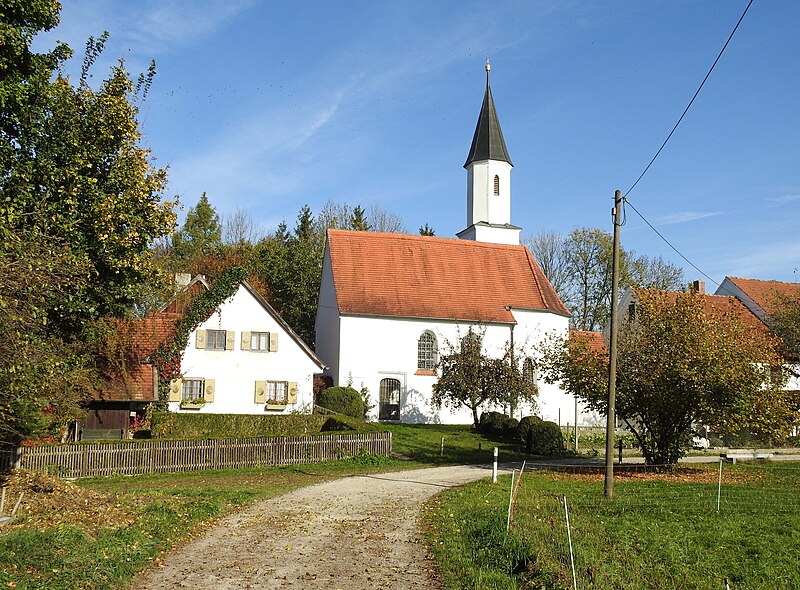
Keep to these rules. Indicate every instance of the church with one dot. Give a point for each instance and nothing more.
(390, 304)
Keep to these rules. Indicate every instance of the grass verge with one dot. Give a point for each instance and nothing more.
(101, 533)
(660, 531)
(422, 443)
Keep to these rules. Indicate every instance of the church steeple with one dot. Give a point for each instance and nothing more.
(489, 180)
(488, 142)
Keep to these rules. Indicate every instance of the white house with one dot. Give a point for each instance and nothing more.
(389, 304)
(245, 359)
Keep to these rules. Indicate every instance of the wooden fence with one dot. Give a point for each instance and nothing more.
(161, 456)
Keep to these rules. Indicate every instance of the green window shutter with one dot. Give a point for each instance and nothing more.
(245, 341)
(175, 387)
(230, 340)
(200, 339)
(261, 392)
(273, 342)
(208, 390)
(291, 396)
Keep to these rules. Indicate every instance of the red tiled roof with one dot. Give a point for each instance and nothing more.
(594, 340)
(764, 293)
(398, 275)
(146, 334)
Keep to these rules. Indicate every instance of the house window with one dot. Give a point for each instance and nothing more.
(529, 371)
(192, 389)
(496, 185)
(276, 391)
(389, 400)
(427, 351)
(215, 339)
(259, 341)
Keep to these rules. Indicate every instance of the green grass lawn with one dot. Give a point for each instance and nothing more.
(100, 534)
(422, 443)
(659, 531)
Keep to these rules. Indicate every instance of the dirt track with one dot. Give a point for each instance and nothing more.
(357, 533)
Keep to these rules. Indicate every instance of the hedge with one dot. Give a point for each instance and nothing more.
(343, 400)
(205, 426)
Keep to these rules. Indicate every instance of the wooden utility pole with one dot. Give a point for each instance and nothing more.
(612, 357)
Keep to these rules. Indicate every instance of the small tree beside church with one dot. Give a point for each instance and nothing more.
(471, 379)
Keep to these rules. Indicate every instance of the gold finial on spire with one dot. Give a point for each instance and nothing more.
(488, 65)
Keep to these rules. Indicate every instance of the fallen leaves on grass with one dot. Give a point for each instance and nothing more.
(49, 502)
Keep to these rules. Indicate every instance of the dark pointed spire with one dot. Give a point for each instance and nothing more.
(488, 143)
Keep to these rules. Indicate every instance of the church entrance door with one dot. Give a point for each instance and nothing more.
(389, 402)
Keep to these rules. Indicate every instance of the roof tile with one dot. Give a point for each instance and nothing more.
(399, 275)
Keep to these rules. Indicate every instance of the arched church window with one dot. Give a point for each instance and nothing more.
(496, 185)
(471, 343)
(427, 351)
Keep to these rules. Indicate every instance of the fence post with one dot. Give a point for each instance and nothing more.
(569, 539)
(494, 467)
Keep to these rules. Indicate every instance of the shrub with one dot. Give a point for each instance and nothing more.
(540, 437)
(335, 425)
(342, 400)
(204, 426)
(498, 424)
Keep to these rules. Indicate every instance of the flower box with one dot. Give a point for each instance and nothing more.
(193, 404)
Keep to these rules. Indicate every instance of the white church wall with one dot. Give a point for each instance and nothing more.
(373, 349)
(235, 371)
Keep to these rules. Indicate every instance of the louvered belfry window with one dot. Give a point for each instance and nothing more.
(496, 185)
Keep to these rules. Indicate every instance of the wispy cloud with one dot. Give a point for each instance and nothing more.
(781, 199)
(162, 24)
(686, 216)
(775, 260)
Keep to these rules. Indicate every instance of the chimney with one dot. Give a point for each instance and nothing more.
(698, 287)
(182, 280)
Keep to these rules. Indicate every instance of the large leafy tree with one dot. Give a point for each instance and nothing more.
(579, 267)
(470, 378)
(290, 263)
(785, 320)
(679, 363)
(80, 204)
(200, 234)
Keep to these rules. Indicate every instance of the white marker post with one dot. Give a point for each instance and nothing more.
(494, 467)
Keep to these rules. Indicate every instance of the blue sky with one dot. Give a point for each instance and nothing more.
(268, 106)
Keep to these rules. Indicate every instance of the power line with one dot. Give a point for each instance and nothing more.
(699, 88)
(663, 145)
(667, 242)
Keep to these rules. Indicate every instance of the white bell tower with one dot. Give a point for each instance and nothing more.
(489, 180)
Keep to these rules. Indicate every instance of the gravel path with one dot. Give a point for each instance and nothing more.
(357, 533)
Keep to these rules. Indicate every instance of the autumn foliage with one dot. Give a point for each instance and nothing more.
(681, 361)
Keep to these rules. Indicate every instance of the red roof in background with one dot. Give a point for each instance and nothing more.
(594, 340)
(720, 304)
(763, 292)
(399, 275)
(146, 334)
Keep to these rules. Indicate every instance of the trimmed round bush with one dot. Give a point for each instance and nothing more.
(498, 424)
(343, 400)
(540, 437)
